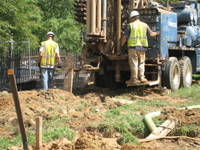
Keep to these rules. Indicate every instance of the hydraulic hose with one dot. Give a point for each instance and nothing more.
(148, 117)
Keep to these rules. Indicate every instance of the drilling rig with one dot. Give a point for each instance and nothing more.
(171, 58)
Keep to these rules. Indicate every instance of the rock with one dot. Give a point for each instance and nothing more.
(117, 134)
(78, 115)
(11, 119)
(5, 92)
(29, 123)
(32, 108)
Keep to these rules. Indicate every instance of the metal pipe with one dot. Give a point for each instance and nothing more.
(93, 16)
(98, 16)
(88, 3)
(104, 17)
(118, 25)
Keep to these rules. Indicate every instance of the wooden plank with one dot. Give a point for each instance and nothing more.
(146, 83)
(17, 107)
(38, 133)
(69, 69)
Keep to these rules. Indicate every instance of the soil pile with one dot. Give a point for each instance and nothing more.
(81, 110)
(184, 116)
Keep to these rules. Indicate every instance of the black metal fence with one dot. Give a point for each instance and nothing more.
(25, 65)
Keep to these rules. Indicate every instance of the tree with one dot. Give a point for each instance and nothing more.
(20, 18)
(58, 16)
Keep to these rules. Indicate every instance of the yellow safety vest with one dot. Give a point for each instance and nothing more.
(49, 53)
(138, 34)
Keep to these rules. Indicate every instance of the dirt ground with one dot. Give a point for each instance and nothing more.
(40, 103)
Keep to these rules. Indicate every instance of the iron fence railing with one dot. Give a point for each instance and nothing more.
(25, 65)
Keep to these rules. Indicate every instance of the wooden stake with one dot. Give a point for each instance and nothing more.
(69, 69)
(38, 133)
(14, 90)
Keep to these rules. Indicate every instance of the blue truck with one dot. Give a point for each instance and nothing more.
(171, 58)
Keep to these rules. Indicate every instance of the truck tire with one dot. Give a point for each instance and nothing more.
(186, 72)
(109, 80)
(171, 74)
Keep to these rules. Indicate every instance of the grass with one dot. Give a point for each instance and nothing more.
(82, 106)
(123, 119)
(191, 130)
(131, 125)
(52, 129)
(62, 97)
(3, 94)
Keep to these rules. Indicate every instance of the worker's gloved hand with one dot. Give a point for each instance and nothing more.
(39, 65)
(59, 67)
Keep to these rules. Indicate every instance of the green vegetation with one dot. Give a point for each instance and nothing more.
(4, 95)
(61, 97)
(126, 120)
(188, 130)
(30, 20)
(52, 129)
(82, 106)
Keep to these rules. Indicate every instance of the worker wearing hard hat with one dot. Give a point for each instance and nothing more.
(49, 52)
(136, 33)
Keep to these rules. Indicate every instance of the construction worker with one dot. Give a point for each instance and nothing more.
(136, 33)
(49, 51)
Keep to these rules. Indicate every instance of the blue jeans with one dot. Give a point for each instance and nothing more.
(47, 78)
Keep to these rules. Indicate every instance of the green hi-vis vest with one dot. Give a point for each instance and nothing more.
(138, 34)
(49, 53)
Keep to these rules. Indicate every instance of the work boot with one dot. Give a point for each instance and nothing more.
(143, 80)
(133, 81)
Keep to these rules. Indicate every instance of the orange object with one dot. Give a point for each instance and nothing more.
(10, 72)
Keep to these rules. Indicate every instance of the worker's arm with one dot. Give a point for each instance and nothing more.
(123, 40)
(125, 35)
(151, 33)
(58, 59)
(40, 57)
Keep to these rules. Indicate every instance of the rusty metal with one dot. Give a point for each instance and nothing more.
(118, 26)
(18, 108)
(80, 8)
(88, 28)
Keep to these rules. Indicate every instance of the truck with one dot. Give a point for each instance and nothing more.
(171, 58)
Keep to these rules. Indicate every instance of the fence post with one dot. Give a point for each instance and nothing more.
(11, 55)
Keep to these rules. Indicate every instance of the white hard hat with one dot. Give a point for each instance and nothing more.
(50, 34)
(134, 13)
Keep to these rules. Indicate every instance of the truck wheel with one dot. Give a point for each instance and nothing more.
(171, 75)
(186, 72)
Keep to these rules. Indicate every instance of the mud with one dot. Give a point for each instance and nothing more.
(185, 116)
(81, 111)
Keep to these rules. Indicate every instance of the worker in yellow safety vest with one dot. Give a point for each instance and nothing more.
(136, 33)
(49, 52)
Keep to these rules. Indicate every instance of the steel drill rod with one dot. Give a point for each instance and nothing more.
(17, 107)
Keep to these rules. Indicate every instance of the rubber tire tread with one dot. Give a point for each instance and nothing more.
(183, 63)
(168, 74)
